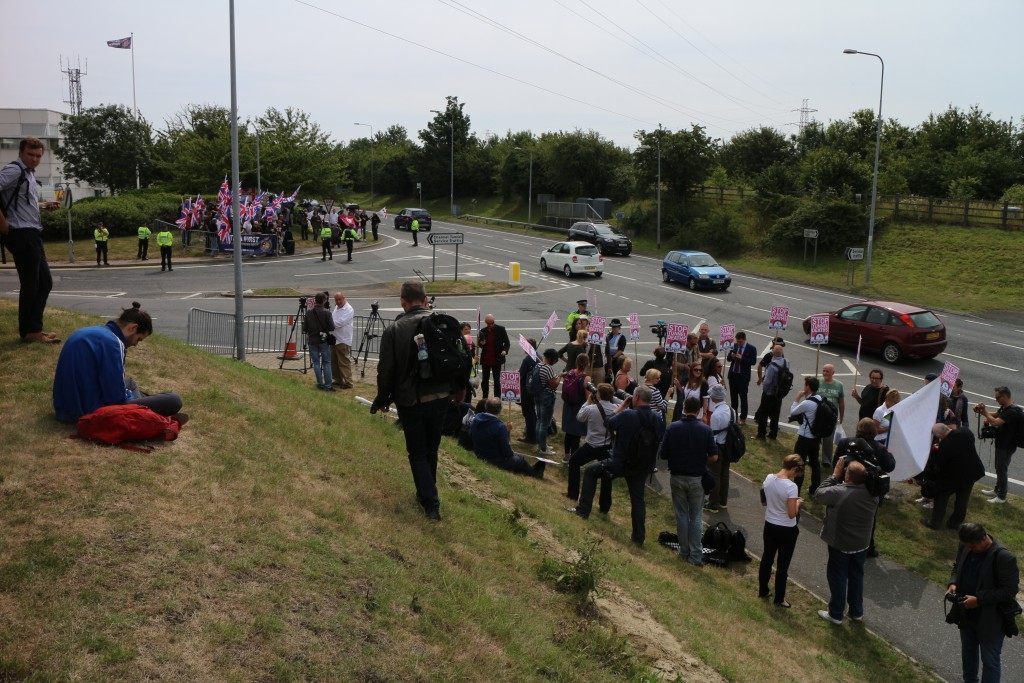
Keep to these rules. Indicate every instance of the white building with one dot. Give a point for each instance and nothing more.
(16, 124)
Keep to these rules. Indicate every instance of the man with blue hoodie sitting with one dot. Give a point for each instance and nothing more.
(491, 442)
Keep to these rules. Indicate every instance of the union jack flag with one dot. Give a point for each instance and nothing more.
(224, 194)
(185, 219)
(224, 232)
(198, 206)
(121, 43)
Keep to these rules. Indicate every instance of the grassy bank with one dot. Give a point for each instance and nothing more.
(279, 538)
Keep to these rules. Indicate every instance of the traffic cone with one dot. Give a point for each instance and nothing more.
(289, 352)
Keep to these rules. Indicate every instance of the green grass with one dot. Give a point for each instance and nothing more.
(453, 287)
(899, 535)
(272, 541)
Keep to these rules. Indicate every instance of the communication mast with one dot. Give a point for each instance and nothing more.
(74, 75)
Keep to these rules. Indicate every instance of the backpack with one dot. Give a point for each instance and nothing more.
(643, 447)
(783, 380)
(1020, 426)
(12, 203)
(116, 424)
(826, 417)
(735, 443)
(724, 544)
(536, 385)
(572, 388)
(446, 349)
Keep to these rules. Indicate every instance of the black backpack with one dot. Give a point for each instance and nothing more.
(12, 203)
(826, 417)
(784, 380)
(735, 443)
(446, 349)
(642, 450)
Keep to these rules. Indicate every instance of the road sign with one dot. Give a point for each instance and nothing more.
(811, 233)
(855, 253)
(329, 204)
(435, 238)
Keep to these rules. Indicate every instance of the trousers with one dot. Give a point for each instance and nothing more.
(341, 364)
(585, 455)
(634, 483)
(781, 541)
(489, 371)
(35, 283)
(421, 424)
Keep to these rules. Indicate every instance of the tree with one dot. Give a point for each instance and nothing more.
(687, 157)
(831, 171)
(195, 148)
(433, 162)
(106, 145)
(576, 163)
(749, 153)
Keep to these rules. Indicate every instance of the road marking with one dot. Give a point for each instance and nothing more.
(518, 241)
(755, 308)
(851, 366)
(1010, 345)
(981, 362)
(921, 379)
(978, 322)
(487, 246)
(190, 296)
(786, 284)
(780, 296)
(673, 288)
(623, 277)
(339, 272)
(406, 258)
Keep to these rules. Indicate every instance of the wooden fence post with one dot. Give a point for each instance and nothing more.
(931, 204)
(896, 209)
(967, 209)
(1005, 212)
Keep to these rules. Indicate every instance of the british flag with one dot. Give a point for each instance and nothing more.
(224, 231)
(224, 194)
(198, 206)
(184, 221)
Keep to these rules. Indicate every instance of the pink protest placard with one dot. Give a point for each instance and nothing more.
(726, 338)
(634, 327)
(527, 347)
(819, 329)
(595, 333)
(948, 378)
(549, 325)
(675, 340)
(509, 385)
(779, 318)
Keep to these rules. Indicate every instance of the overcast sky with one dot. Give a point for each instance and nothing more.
(726, 65)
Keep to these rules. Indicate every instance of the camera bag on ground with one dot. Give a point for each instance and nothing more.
(722, 545)
(446, 349)
(118, 424)
(826, 417)
(735, 443)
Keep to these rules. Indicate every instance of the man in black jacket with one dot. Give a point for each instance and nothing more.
(422, 403)
(494, 345)
(985, 576)
(956, 467)
(526, 398)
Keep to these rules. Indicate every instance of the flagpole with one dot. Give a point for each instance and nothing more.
(135, 105)
(236, 225)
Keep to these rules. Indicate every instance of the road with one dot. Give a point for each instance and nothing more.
(989, 352)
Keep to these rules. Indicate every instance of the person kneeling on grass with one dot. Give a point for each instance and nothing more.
(491, 442)
(90, 369)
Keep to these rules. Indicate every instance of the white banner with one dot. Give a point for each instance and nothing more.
(910, 434)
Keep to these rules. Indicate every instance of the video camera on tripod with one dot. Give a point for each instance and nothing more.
(660, 330)
(877, 482)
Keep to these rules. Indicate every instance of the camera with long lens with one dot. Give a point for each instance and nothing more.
(660, 330)
(618, 393)
(877, 482)
(302, 303)
(375, 306)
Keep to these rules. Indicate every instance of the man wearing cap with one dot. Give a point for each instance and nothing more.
(721, 416)
(570, 320)
(767, 415)
(614, 349)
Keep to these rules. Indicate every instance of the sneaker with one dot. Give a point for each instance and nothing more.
(523, 439)
(823, 613)
(997, 500)
(929, 505)
(857, 619)
(711, 507)
(545, 451)
(575, 511)
(922, 499)
(988, 492)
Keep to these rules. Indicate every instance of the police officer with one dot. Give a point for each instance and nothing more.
(144, 233)
(374, 224)
(325, 242)
(415, 228)
(348, 236)
(164, 240)
(571, 319)
(101, 235)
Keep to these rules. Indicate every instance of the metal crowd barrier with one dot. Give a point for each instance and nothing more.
(264, 332)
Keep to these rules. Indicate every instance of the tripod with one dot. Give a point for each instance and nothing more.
(369, 332)
(299, 315)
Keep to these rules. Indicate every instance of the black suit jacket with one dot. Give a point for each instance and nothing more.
(746, 362)
(997, 583)
(956, 461)
(501, 339)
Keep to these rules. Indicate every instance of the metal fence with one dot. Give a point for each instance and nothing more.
(264, 332)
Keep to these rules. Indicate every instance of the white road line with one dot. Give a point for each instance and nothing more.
(786, 284)
(339, 272)
(529, 244)
(981, 362)
(794, 344)
(406, 258)
(921, 379)
(623, 277)
(683, 291)
(190, 296)
(755, 308)
(487, 246)
(1021, 331)
(978, 322)
(780, 296)
(1010, 345)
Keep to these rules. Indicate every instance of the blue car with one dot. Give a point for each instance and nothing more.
(695, 269)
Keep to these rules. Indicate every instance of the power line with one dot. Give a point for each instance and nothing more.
(679, 108)
(409, 41)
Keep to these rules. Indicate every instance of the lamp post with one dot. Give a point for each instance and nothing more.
(657, 237)
(257, 130)
(68, 200)
(874, 177)
(236, 225)
(451, 127)
(529, 191)
(370, 126)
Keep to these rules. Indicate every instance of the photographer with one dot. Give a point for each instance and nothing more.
(1007, 425)
(319, 326)
(596, 444)
(983, 589)
(863, 447)
(956, 467)
(849, 517)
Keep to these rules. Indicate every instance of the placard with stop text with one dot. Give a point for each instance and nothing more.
(509, 380)
(819, 329)
(675, 340)
(778, 318)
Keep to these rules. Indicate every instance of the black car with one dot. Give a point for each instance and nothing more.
(603, 236)
(403, 219)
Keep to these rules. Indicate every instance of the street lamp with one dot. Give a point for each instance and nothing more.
(874, 177)
(529, 191)
(68, 201)
(258, 130)
(657, 237)
(451, 127)
(370, 126)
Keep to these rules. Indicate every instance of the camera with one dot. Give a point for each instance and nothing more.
(987, 432)
(860, 451)
(660, 330)
(617, 393)
(375, 306)
(955, 609)
(302, 303)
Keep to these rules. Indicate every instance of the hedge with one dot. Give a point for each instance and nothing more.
(122, 214)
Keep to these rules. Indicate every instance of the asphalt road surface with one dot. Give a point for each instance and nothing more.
(988, 351)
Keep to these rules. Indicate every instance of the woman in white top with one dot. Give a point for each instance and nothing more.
(881, 415)
(781, 499)
(716, 374)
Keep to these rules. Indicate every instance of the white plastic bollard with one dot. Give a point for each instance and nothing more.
(513, 273)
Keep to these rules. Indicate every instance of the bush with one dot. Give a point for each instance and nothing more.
(839, 223)
(1014, 195)
(122, 214)
(719, 232)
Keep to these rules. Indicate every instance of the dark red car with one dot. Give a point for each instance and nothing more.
(891, 329)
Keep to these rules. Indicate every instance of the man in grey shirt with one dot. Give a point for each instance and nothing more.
(849, 516)
(596, 445)
(22, 228)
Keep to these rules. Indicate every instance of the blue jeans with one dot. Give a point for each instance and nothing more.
(421, 424)
(545, 410)
(320, 356)
(687, 499)
(846, 582)
(991, 648)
